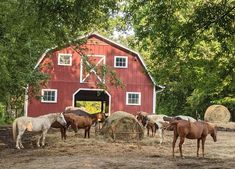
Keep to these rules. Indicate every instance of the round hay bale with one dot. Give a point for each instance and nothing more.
(217, 113)
(122, 126)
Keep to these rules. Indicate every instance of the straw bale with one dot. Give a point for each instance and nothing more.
(217, 113)
(122, 126)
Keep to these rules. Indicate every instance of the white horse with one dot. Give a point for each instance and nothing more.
(35, 124)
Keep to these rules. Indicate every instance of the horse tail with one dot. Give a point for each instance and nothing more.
(171, 125)
(14, 129)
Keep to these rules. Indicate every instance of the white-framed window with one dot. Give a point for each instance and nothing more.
(49, 96)
(65, 59)
(133, 98)
(120, 61)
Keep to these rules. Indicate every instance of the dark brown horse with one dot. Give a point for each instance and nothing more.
(97, 117)
(192, 130)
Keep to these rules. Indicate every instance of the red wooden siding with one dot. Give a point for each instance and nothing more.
(66, 79)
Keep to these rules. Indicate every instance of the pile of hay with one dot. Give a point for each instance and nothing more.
(122, 126)
(217, 113)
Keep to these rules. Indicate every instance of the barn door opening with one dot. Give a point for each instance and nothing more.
(98, 100)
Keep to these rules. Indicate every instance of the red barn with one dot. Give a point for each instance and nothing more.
(76, 78)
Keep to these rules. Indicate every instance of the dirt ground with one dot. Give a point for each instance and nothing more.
(77, 152)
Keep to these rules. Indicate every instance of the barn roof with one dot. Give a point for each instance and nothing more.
(110, 42)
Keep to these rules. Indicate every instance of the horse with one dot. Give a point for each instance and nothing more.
(96, 118)
(78, 122)
(154, 123)
(35, 124)
(192, 130)
(150, 125)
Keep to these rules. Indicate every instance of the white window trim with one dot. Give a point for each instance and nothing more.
(45, 101)
(64, 54)
(136, 104)
(125, 57)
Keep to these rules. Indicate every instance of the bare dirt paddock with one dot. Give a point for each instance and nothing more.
(96, 152)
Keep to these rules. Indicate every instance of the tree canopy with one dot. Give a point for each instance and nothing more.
(28, 28)
(189, 46)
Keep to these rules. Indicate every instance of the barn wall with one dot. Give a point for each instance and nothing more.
(66, 79)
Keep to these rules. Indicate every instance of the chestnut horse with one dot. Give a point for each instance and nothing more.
(97, 117)
(80, 122)
(192, 130)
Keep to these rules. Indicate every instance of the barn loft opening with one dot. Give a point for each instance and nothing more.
(93, 97)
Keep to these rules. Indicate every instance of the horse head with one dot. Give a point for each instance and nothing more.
(214, 134)
(213, 131)
(100, 117)
(145, 120)
(60, 118)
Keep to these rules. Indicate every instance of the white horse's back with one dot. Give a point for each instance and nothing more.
(186, 118)
(156, 117)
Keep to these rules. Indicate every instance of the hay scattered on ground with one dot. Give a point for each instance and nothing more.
(217, 113)
(230, 126)
(122, 126)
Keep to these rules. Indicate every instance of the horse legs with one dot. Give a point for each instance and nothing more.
(18, 139)
(147, 131)
(44, 137)
(203, 143)
(160, 135)
(63, 133)
(38, 142)
(198, 146)
(180, 145)
(89, 131)
(152, 129)
(173, 143)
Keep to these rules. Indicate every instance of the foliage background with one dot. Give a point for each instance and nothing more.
(189, 46)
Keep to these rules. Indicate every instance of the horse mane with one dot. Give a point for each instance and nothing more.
(211, 127)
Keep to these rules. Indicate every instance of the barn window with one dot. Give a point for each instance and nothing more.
(65, 59)
(120, 61)
(133, 98)
(49, 95)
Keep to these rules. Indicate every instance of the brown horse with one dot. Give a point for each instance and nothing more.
(192, 130)
(80, 122)
(96, 118)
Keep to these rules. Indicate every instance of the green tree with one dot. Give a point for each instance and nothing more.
(28, 28)
(190, 48)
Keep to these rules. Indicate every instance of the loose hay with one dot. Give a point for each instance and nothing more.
(229, 126)
(122, 126)
(217, 113)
